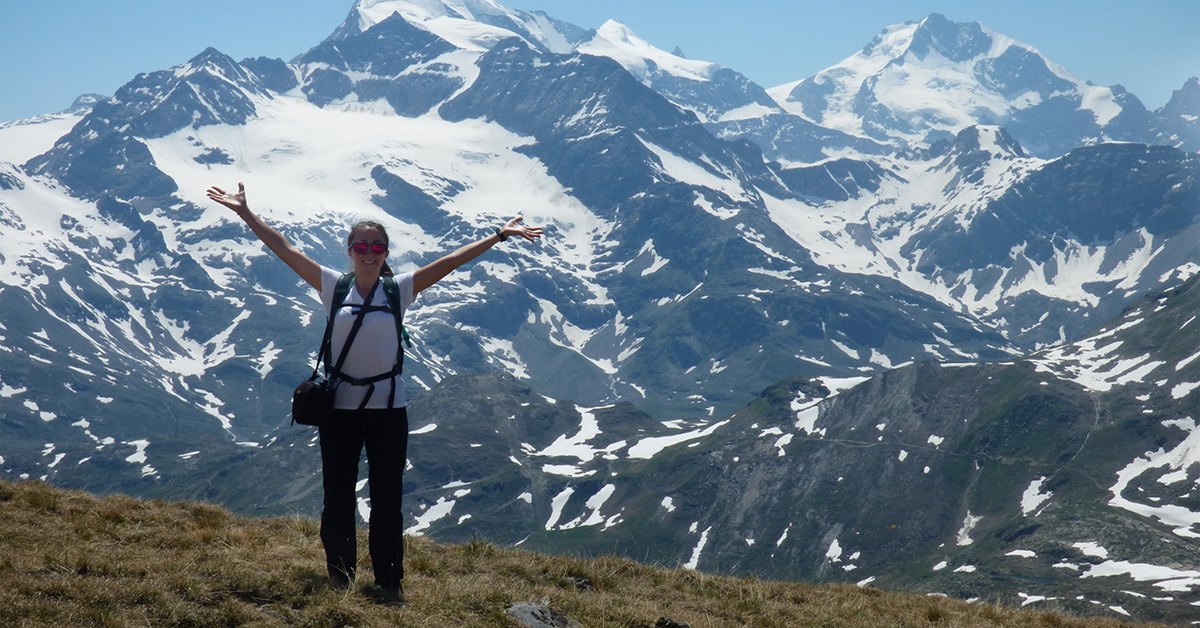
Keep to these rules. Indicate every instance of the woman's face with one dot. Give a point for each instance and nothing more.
(368, 250)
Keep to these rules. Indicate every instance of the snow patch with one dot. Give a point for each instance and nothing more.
(695, 560)
(438, 511)
(138, 456)
(834, 553)
(1165, 578)
(1089, 548)
(556, 506)
(1184, 455)
(593, 504)
(783, 442)
(964, 532)
(1033, 497)
(649, 447)
(1179, 391)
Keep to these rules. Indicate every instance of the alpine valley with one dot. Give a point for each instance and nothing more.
(925, 320)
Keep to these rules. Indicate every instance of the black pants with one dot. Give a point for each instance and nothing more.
(385, 434)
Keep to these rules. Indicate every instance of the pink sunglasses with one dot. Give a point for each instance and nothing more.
(375, 247)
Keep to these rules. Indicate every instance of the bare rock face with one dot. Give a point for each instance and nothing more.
(536, 615)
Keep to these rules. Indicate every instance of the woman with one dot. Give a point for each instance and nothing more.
(374, 416)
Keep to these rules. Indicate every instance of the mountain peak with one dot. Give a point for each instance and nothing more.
(468, 24)
(84, 103)
(952, 40)
(1185, 100)
(617, 41)
(993, 140)
(372, 12)
(1177, 123)
(614, 30)
(211, 55)
(214, 61)
(919, 82)
(957, 42)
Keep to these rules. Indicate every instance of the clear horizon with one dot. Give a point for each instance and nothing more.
(52, 53)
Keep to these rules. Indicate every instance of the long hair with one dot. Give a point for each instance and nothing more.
(385, 270)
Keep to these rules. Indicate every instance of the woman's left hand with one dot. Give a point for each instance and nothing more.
(515, 227)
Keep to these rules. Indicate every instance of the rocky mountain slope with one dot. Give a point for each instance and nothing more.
(1068, 477)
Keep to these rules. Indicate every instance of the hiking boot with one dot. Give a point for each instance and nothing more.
(387, 596)
(341, 578)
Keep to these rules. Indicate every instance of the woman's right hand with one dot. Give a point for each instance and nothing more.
(308, 270)
(236, 202)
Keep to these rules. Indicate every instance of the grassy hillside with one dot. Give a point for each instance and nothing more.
(74, 559)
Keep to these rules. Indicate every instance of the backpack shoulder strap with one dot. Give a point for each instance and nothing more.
(341, 290)
(391, 289)
(339, 296)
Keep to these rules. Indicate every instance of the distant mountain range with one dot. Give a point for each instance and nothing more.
(947, 195)
(920, 82)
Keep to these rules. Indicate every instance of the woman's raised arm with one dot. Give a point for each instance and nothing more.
(433, 273)
(308, 270)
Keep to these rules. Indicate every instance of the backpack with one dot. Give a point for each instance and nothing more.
(391, 292)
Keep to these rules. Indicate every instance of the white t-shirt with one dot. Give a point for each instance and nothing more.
(374, 349)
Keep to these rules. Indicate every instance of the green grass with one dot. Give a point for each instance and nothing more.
(74, 559)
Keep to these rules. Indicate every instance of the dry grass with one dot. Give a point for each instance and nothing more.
(73, 559)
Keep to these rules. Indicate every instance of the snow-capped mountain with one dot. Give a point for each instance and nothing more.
(475, 25)
(146, 284)
(148, 339)
(683, 272)
(725, 101)
(877, 200)
(1010, 238)
(713, 93)
(922, 81)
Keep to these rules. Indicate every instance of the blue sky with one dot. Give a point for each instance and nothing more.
(50, 52)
